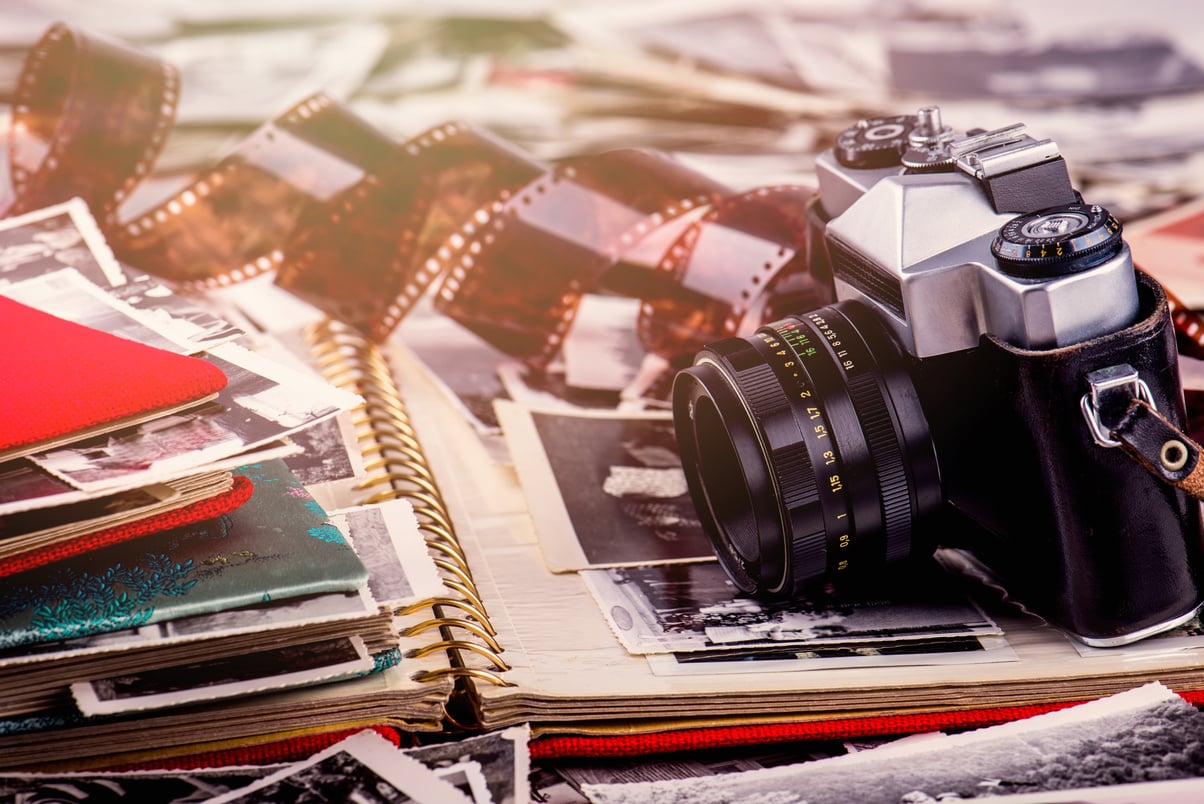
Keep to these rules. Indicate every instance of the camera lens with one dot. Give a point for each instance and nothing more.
(805, 449)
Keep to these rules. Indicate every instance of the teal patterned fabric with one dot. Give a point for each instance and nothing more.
(277, 545)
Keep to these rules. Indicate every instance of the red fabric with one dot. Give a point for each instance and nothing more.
(198, 511)
(60, 377)
(627, 745)
(292, 749)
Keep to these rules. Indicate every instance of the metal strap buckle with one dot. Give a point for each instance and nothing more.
(1107, 382)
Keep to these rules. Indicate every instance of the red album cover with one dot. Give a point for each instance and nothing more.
(61, 378)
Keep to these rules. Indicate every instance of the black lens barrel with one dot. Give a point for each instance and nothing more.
(805, 449)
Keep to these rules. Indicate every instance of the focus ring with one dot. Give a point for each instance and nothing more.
(792, 471)
(762, 391)
(883, 445)
(808, 548)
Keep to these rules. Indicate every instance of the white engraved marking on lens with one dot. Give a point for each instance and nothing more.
(1054, 225)
(886, 131)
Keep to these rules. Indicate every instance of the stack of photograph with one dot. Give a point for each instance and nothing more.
(166, 575)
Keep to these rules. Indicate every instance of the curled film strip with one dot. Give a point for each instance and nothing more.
(361, 225)
(1189, 324)
(89, 118)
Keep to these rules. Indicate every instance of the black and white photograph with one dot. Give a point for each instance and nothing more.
(386, 538)
(189, 322)
(162, 787)
(365, 768)
(461, 364)
(601, 350)
(66, 236)
(40, 528)
(502, 756)
(167, 447)
(25, 487)
(53, 238)
(262, 403)
(549, 389)
(466, 776)
(792, 658)
(27, 483)
(605, 488)
(281, 613)
(1146, 734)
(211, 680)
(1175, 791)
(68, 295)
(275, 613)
(325, 455)
(686, 607)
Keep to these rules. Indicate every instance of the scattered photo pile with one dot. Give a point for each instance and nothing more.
(490, 768)
(160, 558)
(1146, 742)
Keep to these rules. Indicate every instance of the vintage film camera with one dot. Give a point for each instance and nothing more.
(989, 327)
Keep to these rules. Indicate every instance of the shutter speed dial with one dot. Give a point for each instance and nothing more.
(1057, 241)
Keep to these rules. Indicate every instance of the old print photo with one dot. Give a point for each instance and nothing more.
(385, 536)
(502, 757)
(687, 607)
(606, 489)
(56, 237)
(364, 767)
(229, 677)
(1144, 735)
(261, 403)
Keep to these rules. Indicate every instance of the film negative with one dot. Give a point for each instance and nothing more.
(361, 224)
(517, 281)
(1189, 324)
(89, 118)
(765, 233)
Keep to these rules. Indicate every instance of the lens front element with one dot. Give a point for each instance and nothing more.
(805, 449)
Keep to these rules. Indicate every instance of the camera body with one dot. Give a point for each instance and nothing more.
(989, 324)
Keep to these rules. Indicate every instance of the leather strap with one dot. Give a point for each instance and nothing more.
(1161, 447)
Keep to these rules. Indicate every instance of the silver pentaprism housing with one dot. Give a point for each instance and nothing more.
(918, 246)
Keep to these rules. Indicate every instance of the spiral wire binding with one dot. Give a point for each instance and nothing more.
(397, 468)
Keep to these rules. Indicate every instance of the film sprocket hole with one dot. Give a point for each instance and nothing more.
(939, 400)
